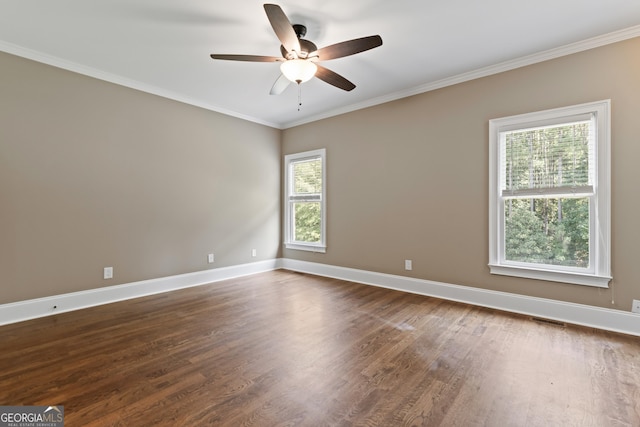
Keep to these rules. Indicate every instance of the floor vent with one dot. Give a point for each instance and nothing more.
(549, 321)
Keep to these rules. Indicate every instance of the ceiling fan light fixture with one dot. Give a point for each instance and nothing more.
(299, 54)
(298, 70)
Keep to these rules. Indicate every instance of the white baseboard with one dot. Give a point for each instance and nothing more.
(40, 307)
(578, 314)
(586, 315)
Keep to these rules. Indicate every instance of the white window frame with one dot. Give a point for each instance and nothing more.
(289, 241)
(599, 272)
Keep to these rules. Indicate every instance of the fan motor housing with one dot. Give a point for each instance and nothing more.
(306, 47)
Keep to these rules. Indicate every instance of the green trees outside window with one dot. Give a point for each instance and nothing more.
(307, 184)
(304, 216)
(546, 188)
(307, 222)
(548, 231)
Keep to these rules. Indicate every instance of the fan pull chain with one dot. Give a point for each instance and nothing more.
(299, 96)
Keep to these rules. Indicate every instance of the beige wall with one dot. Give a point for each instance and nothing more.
(409, 179)
(93, 174)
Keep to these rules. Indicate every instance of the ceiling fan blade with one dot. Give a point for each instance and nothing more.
(282, 27)
(333, 78)
(249, 58)
(280, 85)
(347, 48)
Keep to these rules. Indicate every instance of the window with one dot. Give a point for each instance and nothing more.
(305, 201)
(549, 193)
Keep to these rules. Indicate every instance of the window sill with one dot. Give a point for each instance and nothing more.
(303, 247)
(551, 275)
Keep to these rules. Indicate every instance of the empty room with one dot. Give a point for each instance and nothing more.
(320, 213)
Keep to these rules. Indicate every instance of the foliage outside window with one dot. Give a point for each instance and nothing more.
(304, 199)
(549, 207)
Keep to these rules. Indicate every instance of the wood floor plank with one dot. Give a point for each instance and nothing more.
(289, 349)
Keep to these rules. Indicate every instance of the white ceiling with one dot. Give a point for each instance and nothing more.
(163, 46)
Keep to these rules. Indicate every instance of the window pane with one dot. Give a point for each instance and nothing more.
(304, 215)
(547, 231)
(306, 222)
(307, 176)
(548, 157)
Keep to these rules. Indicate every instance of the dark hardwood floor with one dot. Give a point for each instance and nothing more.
(288, 349)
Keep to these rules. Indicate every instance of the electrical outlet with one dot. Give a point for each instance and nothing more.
(210, 258)
(108, 273)
(408, 265)
(635, 307)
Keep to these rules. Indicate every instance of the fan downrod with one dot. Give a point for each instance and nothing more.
(300, 30)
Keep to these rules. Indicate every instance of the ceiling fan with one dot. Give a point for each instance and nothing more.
(300, 57)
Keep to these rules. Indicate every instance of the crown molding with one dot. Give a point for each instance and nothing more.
(122, 81)
(592, 43)
(524, 61)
